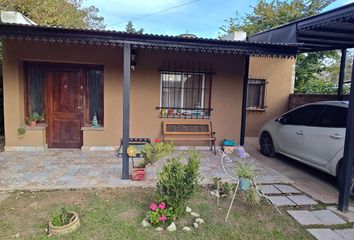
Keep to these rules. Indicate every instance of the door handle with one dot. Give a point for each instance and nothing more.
(79, 107)
(300, 132)
(336, 136)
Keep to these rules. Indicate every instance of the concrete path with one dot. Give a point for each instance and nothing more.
(319, 185)
(73, 168)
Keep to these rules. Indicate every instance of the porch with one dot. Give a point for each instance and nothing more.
(74, 169)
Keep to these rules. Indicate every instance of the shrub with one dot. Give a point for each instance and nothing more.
(61, 218)
(178, 182)
(154, 152)
(252, 196)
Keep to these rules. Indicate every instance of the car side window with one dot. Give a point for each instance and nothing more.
(333, 117)
(303, 116)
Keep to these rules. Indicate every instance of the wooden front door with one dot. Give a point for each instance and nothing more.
(64, 108)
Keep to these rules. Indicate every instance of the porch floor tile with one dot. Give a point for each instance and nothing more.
(73, 168)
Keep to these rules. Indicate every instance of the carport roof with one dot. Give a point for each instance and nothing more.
(326, 31)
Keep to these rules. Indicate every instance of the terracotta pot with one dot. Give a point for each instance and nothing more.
(68, 228)
(33, 123)
(138, 174)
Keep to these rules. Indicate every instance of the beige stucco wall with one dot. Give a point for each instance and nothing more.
(278, 73)
(145, 90)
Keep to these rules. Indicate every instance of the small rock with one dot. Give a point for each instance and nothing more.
(159, 229)
(187, 229)
(199, 220)
(172, 227)
(17, 235)
(188, 209)
(195, 225)
(212, 193)
(145, 223)
(194, 214)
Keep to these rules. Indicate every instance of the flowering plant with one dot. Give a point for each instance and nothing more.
(159, 213)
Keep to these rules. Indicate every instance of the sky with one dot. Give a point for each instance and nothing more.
(200, 17)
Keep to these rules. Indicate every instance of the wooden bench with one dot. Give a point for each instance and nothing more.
(189, 131)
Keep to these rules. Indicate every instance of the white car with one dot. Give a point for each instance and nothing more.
(312, 134)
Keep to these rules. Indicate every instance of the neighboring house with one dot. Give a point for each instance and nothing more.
(73, 74)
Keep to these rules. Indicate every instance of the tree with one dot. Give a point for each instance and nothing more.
(129, 28)
(275, 13)
(66, 13)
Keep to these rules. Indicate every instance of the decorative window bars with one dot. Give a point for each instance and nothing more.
(256, 94)
(185, 94)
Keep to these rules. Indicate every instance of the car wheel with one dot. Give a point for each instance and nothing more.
(267, 146)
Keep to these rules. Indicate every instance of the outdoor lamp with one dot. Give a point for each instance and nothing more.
(133, 59)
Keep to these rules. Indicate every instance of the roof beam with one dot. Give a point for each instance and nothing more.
(338, 44)
(313, 35)
(336, 30)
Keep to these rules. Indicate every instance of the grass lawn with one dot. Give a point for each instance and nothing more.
(117, 214)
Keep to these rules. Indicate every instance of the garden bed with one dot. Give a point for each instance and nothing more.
(117, 214)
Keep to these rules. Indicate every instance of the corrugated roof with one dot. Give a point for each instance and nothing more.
(9, 30)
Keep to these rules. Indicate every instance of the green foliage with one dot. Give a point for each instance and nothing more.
(61, 217)
(155, 151)
(35, 117)
(316, 86)
(224, 187)
(21, 132)
(160, 215)
(245, 170)
(252, 196)
(178, 182)
(266, 15)
(66, 13)
(129, 28)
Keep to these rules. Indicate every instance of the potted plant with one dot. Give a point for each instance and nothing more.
(246, 173)
(152, 153)
(33, 118)
(63, 222)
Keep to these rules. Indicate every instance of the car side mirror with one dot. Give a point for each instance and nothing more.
(282, 120)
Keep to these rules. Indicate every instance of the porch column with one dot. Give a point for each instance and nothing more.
(341, 73)
(244, 99)
(126, 109)
(344, 187)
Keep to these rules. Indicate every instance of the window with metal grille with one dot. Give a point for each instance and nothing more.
(185, 95)
(256, 94)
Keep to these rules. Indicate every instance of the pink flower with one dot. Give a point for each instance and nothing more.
(162, 206)
(163, 218)
(153, 206)
(157, 140)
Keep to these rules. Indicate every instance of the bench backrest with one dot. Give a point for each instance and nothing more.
(186, 128)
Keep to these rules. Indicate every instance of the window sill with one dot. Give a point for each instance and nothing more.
(92, 129)
(255, 109)
(39, 126)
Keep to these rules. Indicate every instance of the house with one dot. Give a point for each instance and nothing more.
(139, 80)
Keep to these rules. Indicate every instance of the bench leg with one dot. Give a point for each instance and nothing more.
(214, 147)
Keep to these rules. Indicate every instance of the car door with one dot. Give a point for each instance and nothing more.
(327, 136)
(293, 129)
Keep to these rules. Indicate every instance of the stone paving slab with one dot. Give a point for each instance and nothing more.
(327, 217)
(73, 168)
(302, 200)
(304, 217)
(269, 189)
(286, 188)
(346, 234)
(281, 201)
(349, 216)
(324, 234)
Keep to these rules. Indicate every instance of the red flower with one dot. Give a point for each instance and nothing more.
(157, 140)
(162, 206)
(163, 218)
